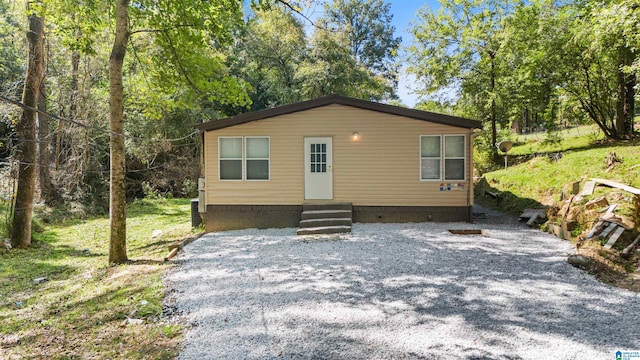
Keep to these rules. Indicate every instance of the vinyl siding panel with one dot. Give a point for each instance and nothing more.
(382, 167)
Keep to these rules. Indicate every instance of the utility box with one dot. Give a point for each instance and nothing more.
(201, 189)
(196, 219)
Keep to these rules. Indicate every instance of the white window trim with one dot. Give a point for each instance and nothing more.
(463, 158)
(420, 158)
(220, 158)
(443, 158)
(244, 158)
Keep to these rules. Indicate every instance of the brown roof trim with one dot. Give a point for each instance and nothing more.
(341, 100)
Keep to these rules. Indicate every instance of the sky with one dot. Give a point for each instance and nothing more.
(404, 11)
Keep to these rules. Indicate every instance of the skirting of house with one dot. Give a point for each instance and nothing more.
(232, 217)
(400, 214)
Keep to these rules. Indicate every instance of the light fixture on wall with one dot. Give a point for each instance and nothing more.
(356, 136)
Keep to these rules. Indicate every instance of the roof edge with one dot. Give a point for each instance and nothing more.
(340, 100)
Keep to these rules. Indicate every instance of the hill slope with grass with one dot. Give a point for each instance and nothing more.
(541, 175)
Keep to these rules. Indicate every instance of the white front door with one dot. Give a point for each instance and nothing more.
(318, 168)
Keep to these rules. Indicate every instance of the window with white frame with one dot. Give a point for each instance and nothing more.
(454, 157)
(257, 158)
(230, 154)
(442, 157)
(243, 158)
(430, 150)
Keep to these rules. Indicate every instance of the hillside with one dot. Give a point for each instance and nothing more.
(541, 175)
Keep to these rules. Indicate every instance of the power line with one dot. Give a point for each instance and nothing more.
(87, 126)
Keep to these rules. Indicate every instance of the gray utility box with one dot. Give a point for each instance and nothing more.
(196, 219)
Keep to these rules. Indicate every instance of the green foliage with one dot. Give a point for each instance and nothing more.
(366, 25)
(331, 69)
(11, 58)
(268, 57)
(537, 63)
(178, 57)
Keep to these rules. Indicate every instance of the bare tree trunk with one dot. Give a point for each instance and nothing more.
(47, 192)
(620, 102)
(26, 150)
(75, 64)
(117, 199)
(625, 94)
(630, 104)
(494, 130)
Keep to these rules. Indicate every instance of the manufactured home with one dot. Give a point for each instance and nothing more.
(384, 163)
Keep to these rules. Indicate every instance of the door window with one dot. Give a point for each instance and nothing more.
(318, 158)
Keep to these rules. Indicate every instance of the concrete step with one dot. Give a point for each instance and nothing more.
(326, 206)
(310, 223)
(325, 214)
(324, 230)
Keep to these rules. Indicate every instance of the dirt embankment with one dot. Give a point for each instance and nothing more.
(602, 221)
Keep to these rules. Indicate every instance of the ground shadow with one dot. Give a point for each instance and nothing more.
(432, 295)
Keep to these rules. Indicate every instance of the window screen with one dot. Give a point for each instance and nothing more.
(430, 157)
(230, 158)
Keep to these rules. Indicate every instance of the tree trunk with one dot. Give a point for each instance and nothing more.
(117, 200)
(625, 94)
(47, 192)
(494, 129)
(26, 149)
(630, 104)
(620, 102)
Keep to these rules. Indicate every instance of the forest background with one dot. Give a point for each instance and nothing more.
(516, 65)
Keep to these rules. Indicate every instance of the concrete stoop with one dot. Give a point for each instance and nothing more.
(329, 218)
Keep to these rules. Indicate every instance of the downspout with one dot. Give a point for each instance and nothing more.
(202, 182)
(470, 178)
(201, 147)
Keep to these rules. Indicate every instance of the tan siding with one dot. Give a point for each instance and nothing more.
(381, 168)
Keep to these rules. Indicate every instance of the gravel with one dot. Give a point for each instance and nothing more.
(396, 291)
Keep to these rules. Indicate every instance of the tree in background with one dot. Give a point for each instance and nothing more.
(26, 129)
(267, 55)
(539, 63)
(614, 33)
(117, 187)
(184, 33)
(331, 69)
(368, 34)
(12, 71)
(459, 48)
(11, 62)
(353, 52)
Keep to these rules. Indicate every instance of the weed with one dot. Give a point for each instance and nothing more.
(172, 330)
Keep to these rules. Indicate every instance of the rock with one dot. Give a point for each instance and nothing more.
(143, 303)
(40, 280)
(597, 203)
(7, 244)
(579, 261)
(156, 233)
(129, 321)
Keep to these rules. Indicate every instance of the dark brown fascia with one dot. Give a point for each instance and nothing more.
(340, 100)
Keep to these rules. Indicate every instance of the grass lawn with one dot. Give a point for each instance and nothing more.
(541, 179)
(573, 138)
(78, 313)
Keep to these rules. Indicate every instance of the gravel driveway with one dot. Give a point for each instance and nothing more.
(396, 291)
